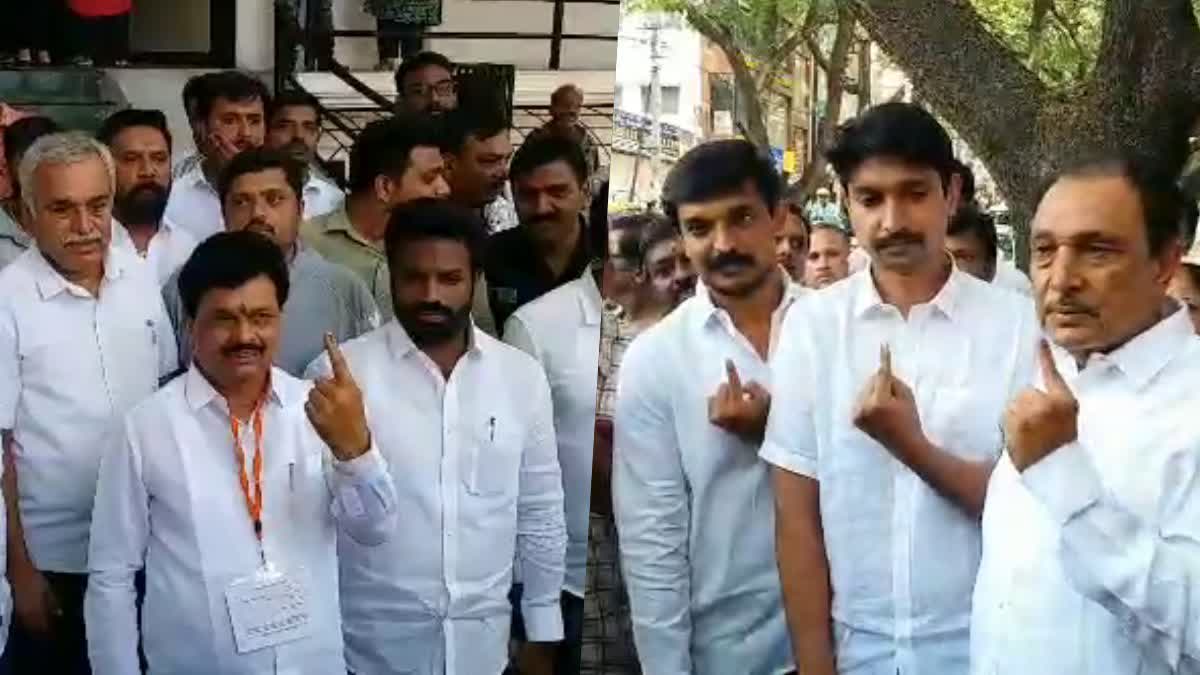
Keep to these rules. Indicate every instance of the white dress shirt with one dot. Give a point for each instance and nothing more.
(5, 589)
(475, 465)
(168, 499)
(196, 207)
(902, 559)
(562, 331)
(693, 502)
(1091, 557)
(1009, 277)
(168, 250)
(70, 365)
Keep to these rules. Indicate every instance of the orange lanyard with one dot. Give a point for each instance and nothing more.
(254, 503)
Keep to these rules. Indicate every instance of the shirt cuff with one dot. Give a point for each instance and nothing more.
(367, 464)
(1065, 482)
(543, 624)
(777, 455)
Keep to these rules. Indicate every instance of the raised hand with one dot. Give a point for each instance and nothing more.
(739, 409)
(887, 412)
(1037, 422)
(335, 408)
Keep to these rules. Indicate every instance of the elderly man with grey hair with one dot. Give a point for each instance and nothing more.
(83, 337)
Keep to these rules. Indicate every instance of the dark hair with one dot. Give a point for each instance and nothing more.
(480, 122)
(1191, 215)
(193, 91)
(902, 131)
(1164, 206)
(816, 227)
(970, 219)
(598, 222)
(797, 209)
(967, 176)
(541, 150)
(231, 85)
(257, 160)
(229, 260)
(384, 148)
(1194, 272)
(20, 135)
(716, 169)
(566, 90)
(656, 231)
(418, 61)
(629, 228)
(130, 118)
(428, 218)
(293, 98)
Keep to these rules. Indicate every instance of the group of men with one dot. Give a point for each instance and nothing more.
(910, 471)
(253, 424)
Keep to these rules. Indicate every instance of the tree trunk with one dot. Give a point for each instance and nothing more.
(1142, 96)
(754, 112)
(835, 80)
(864, 75)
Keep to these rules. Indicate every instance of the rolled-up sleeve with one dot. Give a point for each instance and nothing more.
(120, 530)
(541, 521)
(652, 512)
(364, 497)
(1145, 574)
(790, 442)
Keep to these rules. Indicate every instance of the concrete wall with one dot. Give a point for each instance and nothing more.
(177, 25)
(682, 59)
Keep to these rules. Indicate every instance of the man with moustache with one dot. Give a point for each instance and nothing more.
(294, 126)
(425, 85)
(828, 256)
(691, 499)
(1091, 540)
(230, 118)
(550, 247)
(467, 427)
(261, 191)
(889, 392)
(141, 148)
(229, 488)
(477, 150)
(83, 338)
(791, 245)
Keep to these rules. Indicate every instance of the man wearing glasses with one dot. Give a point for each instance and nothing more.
(425, 84)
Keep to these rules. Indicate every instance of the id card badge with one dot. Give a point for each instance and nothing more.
(269, 608)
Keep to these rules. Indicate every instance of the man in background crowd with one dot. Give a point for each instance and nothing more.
(261, 192)
(425, 84)
(83, 338)
(477, 151)
(141, 148)
(972, 241)
(18, 136)
(690, 496)
(230, 118)
(1091, 541)
(791, 244)
(191, 96)
(294, 126)
(1185, 284)
(828, 256)
(550, 247)
(566, 105)
(824, 210)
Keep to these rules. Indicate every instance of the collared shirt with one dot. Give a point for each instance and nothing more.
(184, 164)
(334, 237)
(517, 273)
(70, 365)
(616, 334)
(693, 503)
(324, 298)
(168, 499)
(168, 250)
(561, 330)
(475, 464)
(13, 240)
(1009, 277)
(500, 214)
(195, 206)
(902, 559)
(1091, 557)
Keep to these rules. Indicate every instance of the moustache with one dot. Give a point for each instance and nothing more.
(901, 238)
(1069, 306)
(242, 347)
(155, 189)
(432, 308)
(84, 241)
(729, 262)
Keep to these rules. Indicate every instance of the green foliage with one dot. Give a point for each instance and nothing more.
(1069, 39)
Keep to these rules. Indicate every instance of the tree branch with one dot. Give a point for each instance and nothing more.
(1037, 27)
(814, 49)
(1071, 30)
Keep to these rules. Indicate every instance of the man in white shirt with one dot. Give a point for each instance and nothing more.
(885, 425)
(83, 337)
(141, 147)
(467, 426)
(828, 256)
(971, 240)
(562, 331)
(294, 126)
(229, 488)
(261, 192)
(1091, 532)
(691, 499)
(230, 118)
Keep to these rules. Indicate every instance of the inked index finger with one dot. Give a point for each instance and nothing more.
(735, 381)
(1051, 378)
(337, 361)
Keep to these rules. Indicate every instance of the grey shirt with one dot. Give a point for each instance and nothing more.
(13, 240)
(324, 298)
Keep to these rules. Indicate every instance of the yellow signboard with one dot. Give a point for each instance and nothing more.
(789, 161)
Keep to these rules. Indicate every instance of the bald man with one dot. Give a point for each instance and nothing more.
(566, 106)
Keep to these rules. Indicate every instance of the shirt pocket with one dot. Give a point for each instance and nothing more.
(494, 457)
(965, 423)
